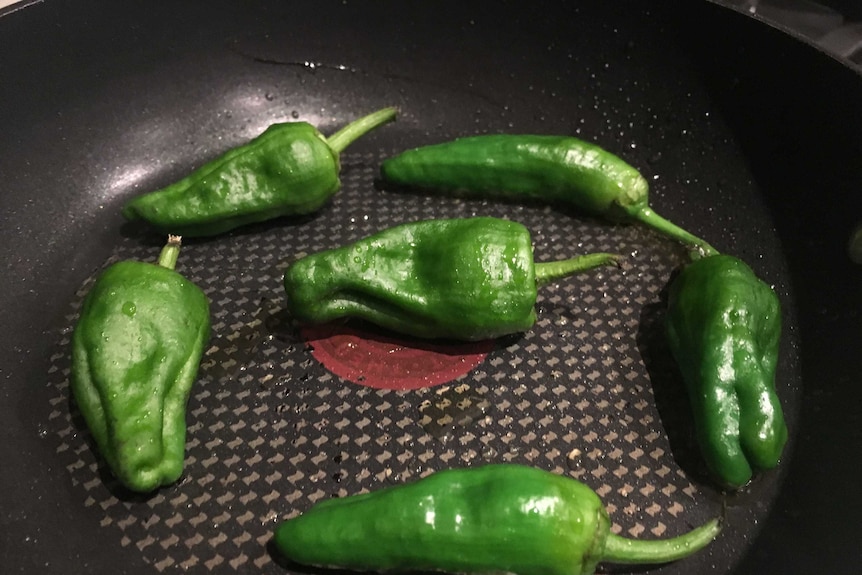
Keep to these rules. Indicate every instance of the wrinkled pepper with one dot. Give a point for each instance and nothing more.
(290, 169)
(136, 349)
(558, 170)
(497, 518)
(723, 328)
(466, 279)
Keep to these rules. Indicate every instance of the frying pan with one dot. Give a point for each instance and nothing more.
(749, 136)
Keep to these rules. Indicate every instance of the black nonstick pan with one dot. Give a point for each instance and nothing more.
(750, 138)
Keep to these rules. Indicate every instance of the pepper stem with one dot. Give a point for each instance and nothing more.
(636, 551)
(648, 216)
(546, 272)
(358, 128)
(170, 253)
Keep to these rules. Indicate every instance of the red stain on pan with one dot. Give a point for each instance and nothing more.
(385, 361)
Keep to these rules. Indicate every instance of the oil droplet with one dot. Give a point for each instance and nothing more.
(129, 308)
(451, 409)
(573, 459)
(393, 476)
(489, 453)
(271, 517)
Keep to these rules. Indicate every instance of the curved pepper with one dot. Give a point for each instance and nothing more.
(290, 169)
(135, 355)
(554, 169)
(723, 327)
(494, 518)
(467, 279)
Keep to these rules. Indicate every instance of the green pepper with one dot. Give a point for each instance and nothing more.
(489, 519)
(724, 327)
(290, 169)
(135, 354)
(553, 169)
(467, 279)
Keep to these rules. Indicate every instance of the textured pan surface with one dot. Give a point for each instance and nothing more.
(114, 102)
(272, 430)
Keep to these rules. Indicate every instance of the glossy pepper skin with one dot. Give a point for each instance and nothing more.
(290, 169)
(724, 327)
(490, 519)
(552, 169)
(467, 279)
(135, 355)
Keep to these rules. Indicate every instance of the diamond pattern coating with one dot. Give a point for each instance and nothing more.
(589, 392)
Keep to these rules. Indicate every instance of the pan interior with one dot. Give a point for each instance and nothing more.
(590, 391)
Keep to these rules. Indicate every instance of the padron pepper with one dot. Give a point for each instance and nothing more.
(466, 279)
(497, 518)
(558, 170)
(723, 328)
(136, 349)
(290, 169)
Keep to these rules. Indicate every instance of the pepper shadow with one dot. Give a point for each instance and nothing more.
(669, 391)
(103, 471)
(144, 234)
(381, 335)
(293, 567)
(563, 208)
